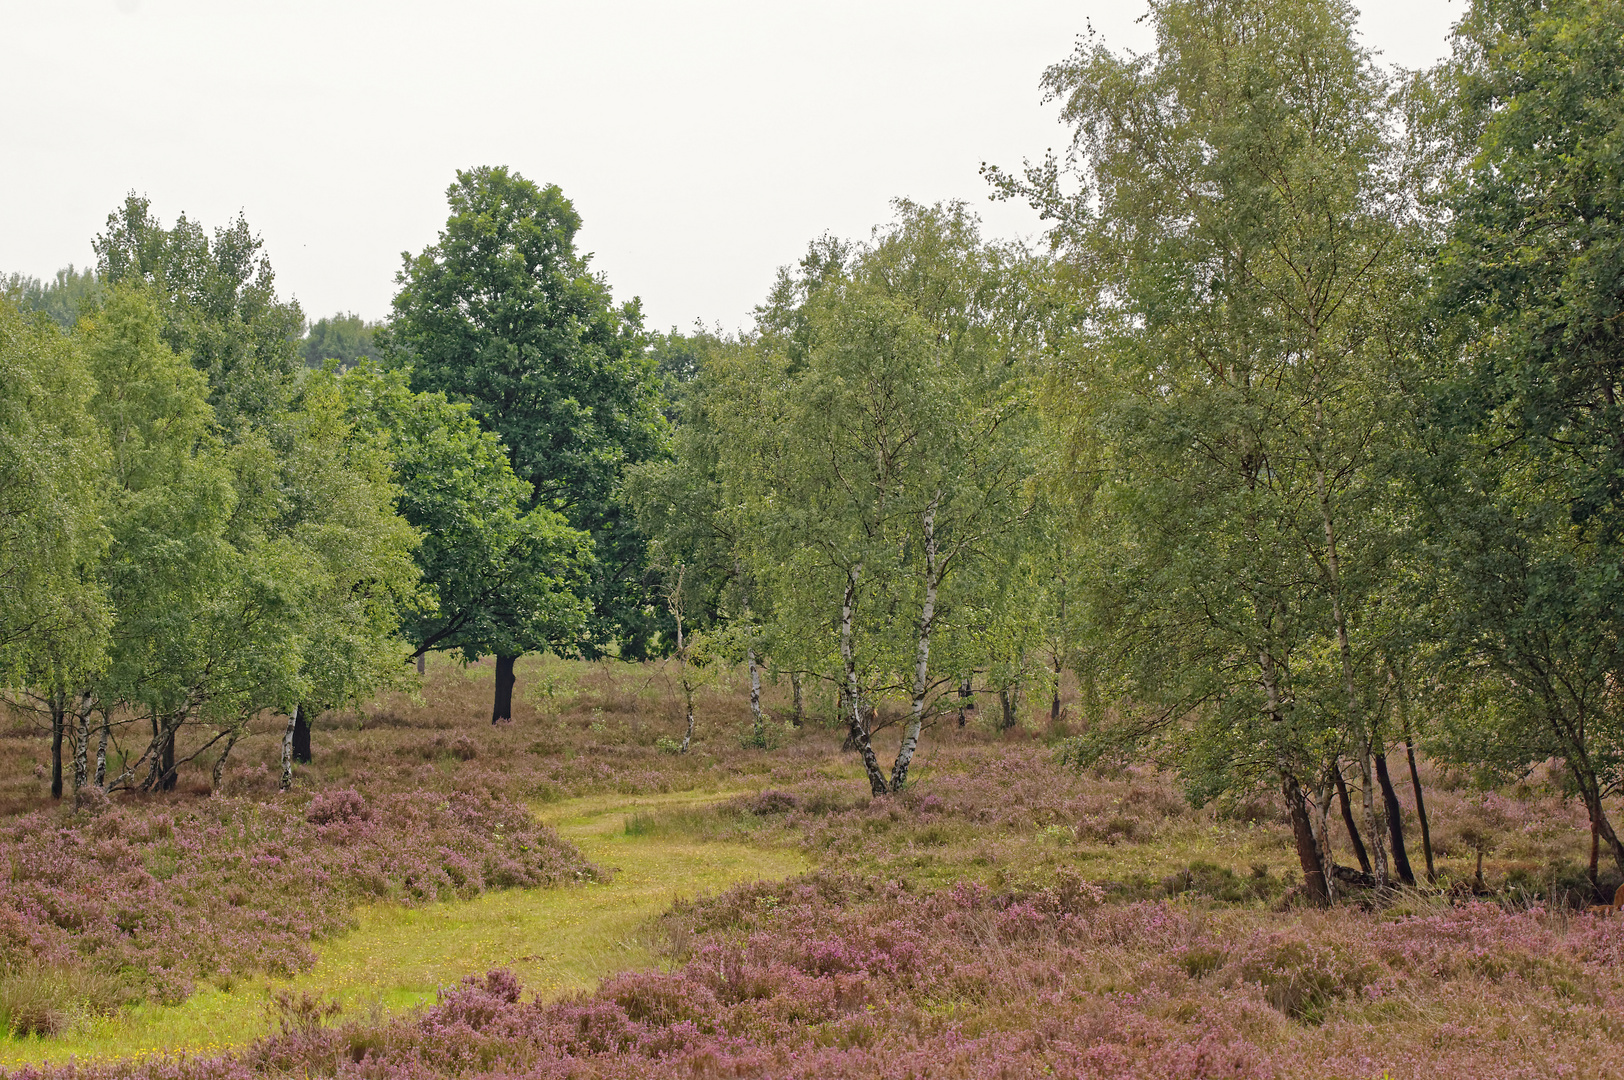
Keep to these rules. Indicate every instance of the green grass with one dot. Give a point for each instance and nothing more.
(556, 940)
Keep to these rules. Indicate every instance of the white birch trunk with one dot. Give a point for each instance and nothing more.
(848, 658)
(287, 748)
(927, 620)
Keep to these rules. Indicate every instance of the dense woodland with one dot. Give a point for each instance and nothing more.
(1295, 445)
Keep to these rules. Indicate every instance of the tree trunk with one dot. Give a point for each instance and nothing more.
(1378, 844)
(757, 719)
(101, 753)
(502, 708)
(59, 710)
(800, 697)
(966, 700)
(287, 749)
(1603, 828)
(1006, 701)
(1415, 785)
(1395, 821)
(848, 659)
(1347, 820)
(220, 763)
(422, 664)
(927, 621)
(301, 736)
(1054, 701)
(1319, 807)
(81, 746)
(1302, 831)
(168, 776)
(1594, 871)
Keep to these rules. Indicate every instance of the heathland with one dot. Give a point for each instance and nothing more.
(563, 896)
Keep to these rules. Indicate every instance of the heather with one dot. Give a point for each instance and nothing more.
(1006, 914)
(836, 975)
(144, 900)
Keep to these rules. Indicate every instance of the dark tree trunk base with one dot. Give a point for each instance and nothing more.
(1395, 821)
(502, 709)
(301, 736)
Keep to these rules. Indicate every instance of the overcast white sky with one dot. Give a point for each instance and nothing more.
(704, 143)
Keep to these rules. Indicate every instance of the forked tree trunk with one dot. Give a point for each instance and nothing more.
(927, 621)
(1395, 821)
(502, 708)
(858, 731)
(1302, 830)
(301, 736)
(1415, 784)
(1591, 794)
(1347, 820)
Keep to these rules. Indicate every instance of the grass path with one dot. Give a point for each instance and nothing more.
(556, 940)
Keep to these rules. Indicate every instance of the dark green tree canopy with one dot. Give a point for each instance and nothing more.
(504, 314)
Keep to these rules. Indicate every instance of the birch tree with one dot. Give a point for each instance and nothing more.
(1237, 230)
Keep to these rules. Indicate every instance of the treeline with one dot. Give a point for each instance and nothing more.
(1298, 442)
(196, 526)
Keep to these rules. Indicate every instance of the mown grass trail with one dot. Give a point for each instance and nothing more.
(556, 940)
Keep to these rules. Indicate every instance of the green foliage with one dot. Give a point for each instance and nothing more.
(219, 306)
(345, 338)
(502, 313)
(53, 614)
(502, 578)
(1522, 479)
(70, 294)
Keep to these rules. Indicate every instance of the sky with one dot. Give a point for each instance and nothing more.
(703, 143)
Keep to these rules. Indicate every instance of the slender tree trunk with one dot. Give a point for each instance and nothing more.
(966, 700)
(287, 749)
(1054, 701)
(1302, 830)
(848, 658)
(1347, 820)
(1006, 701)
(101, 752)
(1378, 844)
(1395, 821)
(1415, 783)
(168, 776)
(927, 622)
(81, 745)
(756, 717)
(220, 763)
(301, 736)
(422, 664)
(1594, 871)
(800, 697)
(1319, 807)
(59, 709)
(502, 709)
